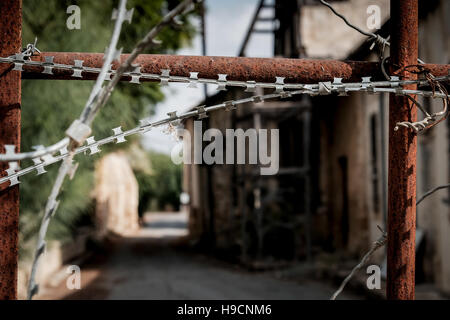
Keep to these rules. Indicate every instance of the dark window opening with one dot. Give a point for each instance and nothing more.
(374, 162)
(345, 228)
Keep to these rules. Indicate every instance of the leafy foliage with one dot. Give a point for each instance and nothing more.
(49, 106)
(162, 188)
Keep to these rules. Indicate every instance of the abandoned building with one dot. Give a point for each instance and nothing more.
(330, 194)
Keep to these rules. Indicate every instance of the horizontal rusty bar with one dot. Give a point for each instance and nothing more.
(237, 68)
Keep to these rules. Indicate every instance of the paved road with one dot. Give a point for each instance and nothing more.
(148, 266)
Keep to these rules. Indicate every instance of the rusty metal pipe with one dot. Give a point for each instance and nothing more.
(11, 42)
(402, 159)
(237, 68)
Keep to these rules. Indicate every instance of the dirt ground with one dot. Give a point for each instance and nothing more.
(152, 265)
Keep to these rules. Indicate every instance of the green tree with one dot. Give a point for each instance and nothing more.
(162, 187)
(49, 106)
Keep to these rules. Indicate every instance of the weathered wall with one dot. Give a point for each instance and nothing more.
(325, 35)
(192, 185)
(221, 185)
(346, 133)
(345, 172)
(433, 215)
(116, 194)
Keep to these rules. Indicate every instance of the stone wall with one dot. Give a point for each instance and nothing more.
(117, 196)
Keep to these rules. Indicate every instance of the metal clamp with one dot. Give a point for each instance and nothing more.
(78, 131)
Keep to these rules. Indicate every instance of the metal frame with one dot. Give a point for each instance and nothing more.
(10, 98)
(402, 144)
(402, 158)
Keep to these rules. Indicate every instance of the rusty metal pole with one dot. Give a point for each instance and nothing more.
(236, 68)
(10, 43)
(402, 158)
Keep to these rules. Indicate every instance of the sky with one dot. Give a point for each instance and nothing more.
(226, 23)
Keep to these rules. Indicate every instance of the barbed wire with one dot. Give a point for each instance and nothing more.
(418, 126)
(430, 192)
(201, 112)
(164, 78)
(146, 125)
(380, 242)
(374, 37)
(77, 133)
(135, 75)
(80, 130)
(393, 85)
(44, 156)
(430, 120)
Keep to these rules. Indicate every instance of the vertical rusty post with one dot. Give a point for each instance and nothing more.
(10, 43)
(402, 158)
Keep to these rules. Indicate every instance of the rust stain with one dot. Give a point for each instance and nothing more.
(10, 33)
(402, 158)
(237, 68)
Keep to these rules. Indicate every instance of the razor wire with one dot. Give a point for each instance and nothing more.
(92, 146)
(394, 85)
(77, 132)
(429, 120)
(135, 75)
(80, 130)
(44, 156)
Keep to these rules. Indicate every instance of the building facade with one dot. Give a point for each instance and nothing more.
(330, 194)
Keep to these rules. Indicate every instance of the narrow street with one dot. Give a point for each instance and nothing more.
(150, 265)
